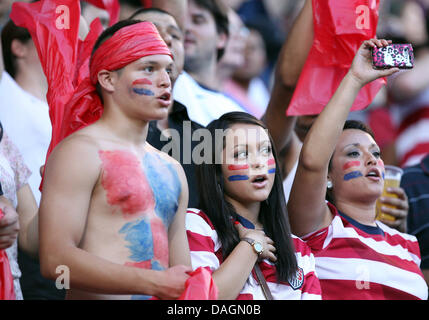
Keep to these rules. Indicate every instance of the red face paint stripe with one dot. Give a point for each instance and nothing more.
(351, 164)
(238, 167)
(142, 81)
(271, 162)
(380, 163)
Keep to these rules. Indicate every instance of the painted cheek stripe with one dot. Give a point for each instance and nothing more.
(271, 162)
(233, 167)
(142, 91)
(350, 164)
(142, 81)
(271, 171)
(352, 175)
(238, 178)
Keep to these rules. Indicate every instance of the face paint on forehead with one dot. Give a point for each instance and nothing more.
(350, 164)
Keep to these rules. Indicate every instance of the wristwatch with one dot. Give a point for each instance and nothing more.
(257, 246)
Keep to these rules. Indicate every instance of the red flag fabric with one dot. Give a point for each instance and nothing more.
(340, 27)
(111, 6)
(200, 286)
(6, 279)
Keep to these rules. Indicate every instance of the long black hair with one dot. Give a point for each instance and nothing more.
(273, 212)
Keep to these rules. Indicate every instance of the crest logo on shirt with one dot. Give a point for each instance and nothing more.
(297, 282)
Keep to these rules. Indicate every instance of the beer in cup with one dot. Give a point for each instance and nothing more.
(392, 179)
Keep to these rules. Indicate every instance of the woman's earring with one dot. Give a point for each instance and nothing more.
(329, 184)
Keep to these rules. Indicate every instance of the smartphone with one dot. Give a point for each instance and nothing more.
(393, 56)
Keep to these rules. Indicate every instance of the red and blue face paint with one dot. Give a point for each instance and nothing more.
(271, 162)
(353, 174)
(238, 167)
(140, 90)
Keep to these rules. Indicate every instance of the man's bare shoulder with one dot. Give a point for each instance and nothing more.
(81, 146)
(164, 156)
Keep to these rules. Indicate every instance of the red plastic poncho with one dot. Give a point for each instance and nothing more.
(340, 27)
(72, 98)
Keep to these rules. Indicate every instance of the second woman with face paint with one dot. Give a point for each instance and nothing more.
(357, 257)
(241, 226)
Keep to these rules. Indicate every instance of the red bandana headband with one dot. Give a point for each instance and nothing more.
(125, 46)
(72, 97)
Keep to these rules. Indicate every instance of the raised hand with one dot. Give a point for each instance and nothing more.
(362, 69)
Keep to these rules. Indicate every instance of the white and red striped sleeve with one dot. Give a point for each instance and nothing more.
(311, 289)
(203, 241)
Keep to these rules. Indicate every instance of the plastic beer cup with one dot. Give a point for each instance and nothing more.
(392, 179)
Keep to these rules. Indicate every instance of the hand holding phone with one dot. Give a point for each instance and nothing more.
(393, 56)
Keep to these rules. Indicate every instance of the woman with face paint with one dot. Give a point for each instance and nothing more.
(241, 224)
(357, 257)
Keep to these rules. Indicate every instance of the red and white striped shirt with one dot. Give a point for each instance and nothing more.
(206, 251)
(354, 261)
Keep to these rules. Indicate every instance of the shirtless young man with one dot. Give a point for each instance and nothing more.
(113, 207)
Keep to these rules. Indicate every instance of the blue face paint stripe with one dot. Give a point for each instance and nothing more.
(142, 91)
(352, 175)
(273, 170)
(238, 178)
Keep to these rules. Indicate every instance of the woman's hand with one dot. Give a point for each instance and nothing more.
(258, 236)
(362, 70)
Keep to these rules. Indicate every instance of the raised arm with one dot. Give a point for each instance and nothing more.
(291, 61)
(307, 209)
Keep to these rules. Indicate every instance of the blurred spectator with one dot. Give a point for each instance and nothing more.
(415, 182)
(90, 12)
(246, 86)
(409, 90)
(233, 56)
(14, 176)
(5, 6)
(177, 8)
(23, 100)
(206, 34)
(128, 7)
